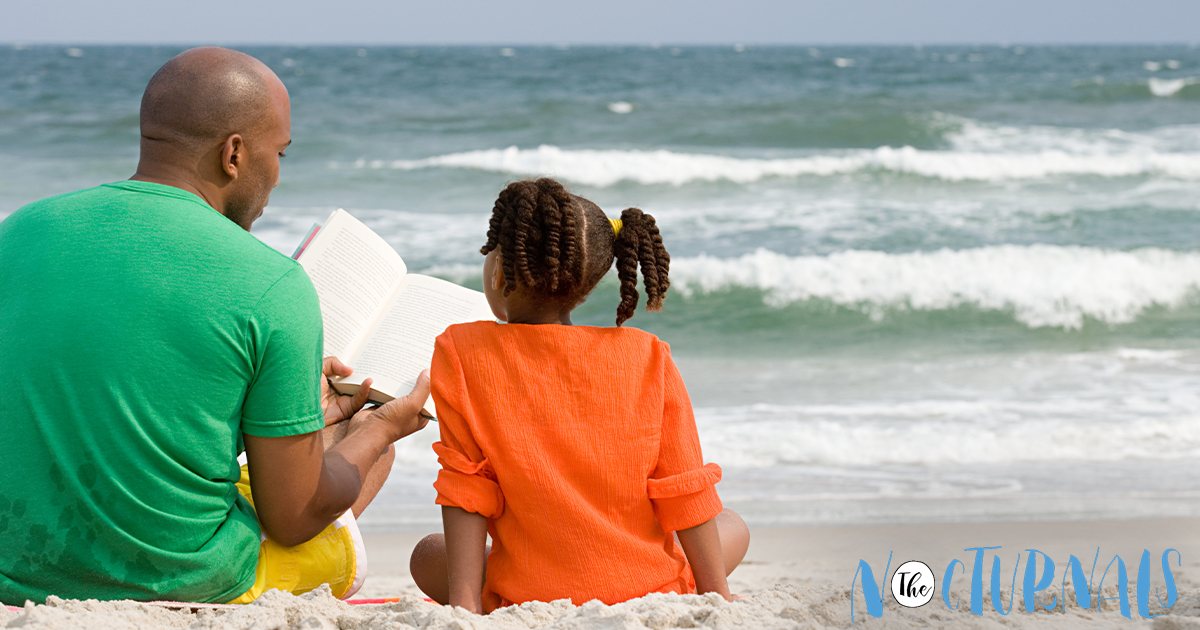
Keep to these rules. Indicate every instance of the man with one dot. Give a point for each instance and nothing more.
(148, 336)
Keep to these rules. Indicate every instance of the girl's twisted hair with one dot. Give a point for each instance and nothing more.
(559, 246)
(640, 242)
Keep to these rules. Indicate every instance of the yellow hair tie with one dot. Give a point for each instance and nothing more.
(616, 223)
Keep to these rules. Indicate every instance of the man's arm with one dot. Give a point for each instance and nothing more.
(299, 488)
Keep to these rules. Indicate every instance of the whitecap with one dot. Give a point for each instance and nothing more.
(938, 432)
(620, 107)
(1169, 87)
(1040, 285)
(607, 167)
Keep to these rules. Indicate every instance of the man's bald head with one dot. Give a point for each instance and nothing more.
(215, 122)
(203, 95)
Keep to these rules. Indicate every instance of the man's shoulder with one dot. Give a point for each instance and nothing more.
(75, 197)
(158, 221)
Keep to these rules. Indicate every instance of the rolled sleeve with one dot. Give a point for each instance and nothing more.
(681, 488)
(466, 480)
(465, 484)
(686, 500)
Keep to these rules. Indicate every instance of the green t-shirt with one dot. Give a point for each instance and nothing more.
(142, 334)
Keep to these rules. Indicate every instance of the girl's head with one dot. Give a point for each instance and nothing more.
(547, 249)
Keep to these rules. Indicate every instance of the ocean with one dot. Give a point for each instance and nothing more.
(909, 284)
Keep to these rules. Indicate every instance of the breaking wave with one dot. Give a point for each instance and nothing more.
(1041, 285)
(607, 167)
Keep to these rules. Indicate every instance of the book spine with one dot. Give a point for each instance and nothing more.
(316, 227)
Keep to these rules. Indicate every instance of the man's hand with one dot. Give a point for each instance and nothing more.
(299, 488)
(336, 406)
(401, 416)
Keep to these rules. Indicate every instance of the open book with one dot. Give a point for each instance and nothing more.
(380, 319)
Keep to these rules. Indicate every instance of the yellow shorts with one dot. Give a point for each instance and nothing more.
(336, 557)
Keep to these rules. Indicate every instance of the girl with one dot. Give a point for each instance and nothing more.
(573, 446)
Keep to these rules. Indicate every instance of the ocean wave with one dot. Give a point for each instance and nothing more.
(1098, 89)
(1041, 285)
(1120, 424)
(932, 432)
(594, 167)
(967, 135)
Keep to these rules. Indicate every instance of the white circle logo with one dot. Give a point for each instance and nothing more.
(913, 584)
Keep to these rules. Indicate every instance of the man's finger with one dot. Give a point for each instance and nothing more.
(360, 397)
(420, 391)
(332, 366)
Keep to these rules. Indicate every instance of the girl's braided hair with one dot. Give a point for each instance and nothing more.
(559, 246)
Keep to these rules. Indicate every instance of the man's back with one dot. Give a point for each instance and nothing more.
(142, 332)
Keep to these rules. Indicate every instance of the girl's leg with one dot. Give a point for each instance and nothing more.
(428, 568)
(735, 538)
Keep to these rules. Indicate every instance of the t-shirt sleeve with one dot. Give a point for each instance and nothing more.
(284, 395)
(466, 480)
(681, 486)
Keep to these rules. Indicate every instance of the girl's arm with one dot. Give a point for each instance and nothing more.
(702, 546)
(466, 539)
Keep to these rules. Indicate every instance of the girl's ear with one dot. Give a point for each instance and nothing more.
(498, 283)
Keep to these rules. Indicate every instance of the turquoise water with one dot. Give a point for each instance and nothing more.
(941, 283)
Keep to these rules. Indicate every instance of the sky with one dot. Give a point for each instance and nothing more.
(551, 22)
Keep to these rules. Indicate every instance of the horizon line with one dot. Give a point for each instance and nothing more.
(641, 44)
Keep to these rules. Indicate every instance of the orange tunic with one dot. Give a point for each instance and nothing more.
(579, 446)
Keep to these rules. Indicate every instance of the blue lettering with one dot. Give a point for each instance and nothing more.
(977, 579)
(950, 576)
(1169, 577)
(872, 592)
(1076, 570)
(1122, 587)
(1030, 589)
(997, 596)
(1143, 585)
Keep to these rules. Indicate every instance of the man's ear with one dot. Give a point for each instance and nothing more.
(233, 155)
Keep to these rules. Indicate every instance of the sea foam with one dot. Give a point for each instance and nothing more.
(596, 167)
(932, 432)
(1041, 285)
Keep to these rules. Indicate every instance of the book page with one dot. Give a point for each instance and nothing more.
(401, 344)
(355, 273)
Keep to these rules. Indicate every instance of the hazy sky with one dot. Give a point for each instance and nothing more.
(600, 22)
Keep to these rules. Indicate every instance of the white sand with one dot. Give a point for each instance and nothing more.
(793, 578)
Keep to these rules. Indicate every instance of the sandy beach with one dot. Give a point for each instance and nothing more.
(955, 287)
(797, 577)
